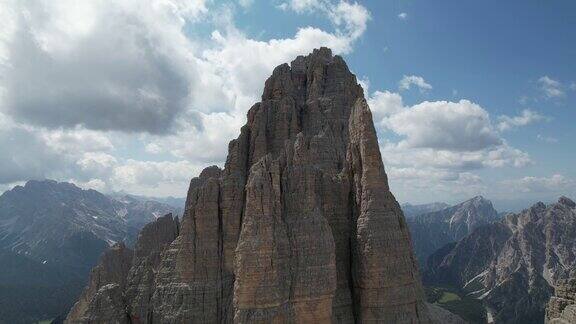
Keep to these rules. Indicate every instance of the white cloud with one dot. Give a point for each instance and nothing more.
(428, 184)
(384, 104)
(546, 139)
(351, 16)
(93, 95)
(500, 156)
(301, 6)
(403, 15)
(551, 88)
(573, 86)
(525, 118)
(418, 81)
(443, 125)
(245, 3)
(149, 178)
(438, 146)
(555, 183)
(69, 66)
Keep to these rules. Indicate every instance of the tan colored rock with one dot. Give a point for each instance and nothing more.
(300, 225)
(561, 308)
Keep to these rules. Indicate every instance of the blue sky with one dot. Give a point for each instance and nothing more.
(468, 97)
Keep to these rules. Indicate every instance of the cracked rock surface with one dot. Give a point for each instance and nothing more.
(299, 227)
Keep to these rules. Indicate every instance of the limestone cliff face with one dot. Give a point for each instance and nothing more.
(561, 308)
(300, 226)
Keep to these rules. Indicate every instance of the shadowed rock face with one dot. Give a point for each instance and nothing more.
(101, 301)
(431, 231)
(121, 285)
(513, 265)
(300, 225)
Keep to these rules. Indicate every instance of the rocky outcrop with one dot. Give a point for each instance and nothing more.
(120, 287)
(513, 265)
(300, 226)
(152, 241)
(431, 231)
(102, 298)
(561, 308)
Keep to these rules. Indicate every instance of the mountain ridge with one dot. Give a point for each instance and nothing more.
(513, 265)
(431, 231)
(51, 234)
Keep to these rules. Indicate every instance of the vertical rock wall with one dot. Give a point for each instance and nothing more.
(300, 225)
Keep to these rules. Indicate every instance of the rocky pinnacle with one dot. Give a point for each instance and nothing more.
(299, 227)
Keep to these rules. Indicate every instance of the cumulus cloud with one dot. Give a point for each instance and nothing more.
(443, 125)
(148, 177)
(437, 147)
(554, 183)
(301, 6)
(551, 88)
(500, 156)
(79, 100)
(67, 64)
(429, 184)
(351, 17)
(384, 104)
(403, 15)
(526, 117)
(409, 80)
(25, 155)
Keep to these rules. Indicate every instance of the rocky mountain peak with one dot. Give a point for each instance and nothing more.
(567, 202)
(517, 262)
(300, 225)
(430, 231)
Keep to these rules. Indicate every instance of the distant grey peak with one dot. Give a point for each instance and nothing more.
(567, 202)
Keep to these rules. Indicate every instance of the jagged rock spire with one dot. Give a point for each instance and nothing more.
(300, 225)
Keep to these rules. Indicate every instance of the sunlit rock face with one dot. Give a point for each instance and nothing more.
(299, 227)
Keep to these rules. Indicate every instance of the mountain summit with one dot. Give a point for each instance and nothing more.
(300, 225)
(431, 231)
(515, 264)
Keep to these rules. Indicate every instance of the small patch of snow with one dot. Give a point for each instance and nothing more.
(489, 316)
(481, 274)
(44, 262)
(485, 294)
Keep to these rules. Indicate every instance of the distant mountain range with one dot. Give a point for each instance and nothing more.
(51, 235)
(512, 265)
(411, 211)
(433, 229)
